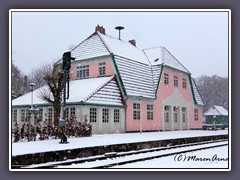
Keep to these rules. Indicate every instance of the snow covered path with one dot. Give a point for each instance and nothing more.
(21, 148)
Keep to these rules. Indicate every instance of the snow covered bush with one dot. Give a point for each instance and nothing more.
(46, 130)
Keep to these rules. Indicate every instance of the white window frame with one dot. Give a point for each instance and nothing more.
(93, 115)
(102, 69)
(82, 71)
(105, 115)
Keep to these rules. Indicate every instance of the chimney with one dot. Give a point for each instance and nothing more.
(100, 29)
(133, 42)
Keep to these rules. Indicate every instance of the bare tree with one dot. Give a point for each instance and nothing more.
(53, 78)
(214, 90)
(19, 81)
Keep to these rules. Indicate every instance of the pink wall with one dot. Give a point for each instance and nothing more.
(197, 123)
(134, 125)
(164, 91)
(94, 68)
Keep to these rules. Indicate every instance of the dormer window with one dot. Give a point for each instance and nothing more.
(102, 69)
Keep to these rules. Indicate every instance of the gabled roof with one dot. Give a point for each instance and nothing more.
(139, 70)
(102, 90)
(160, 55)
(216, 111)
(90, 48)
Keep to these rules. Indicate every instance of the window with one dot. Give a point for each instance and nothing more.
(93, 115)
(166, 79)
(14, 113)
(149, 112)
(175, 109)
(195, 114)
(23, 115)
(50, 114)
(184, 114)
(105, 115)
(82, 71)
(184, 83)
(40, 114)
(136, 111)
(175, 117)
(167, 117)
(102, 69)
(72, 111)
(175, 81)
(183, 117)
(116, 116)
(66, 113)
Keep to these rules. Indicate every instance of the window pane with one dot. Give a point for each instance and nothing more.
(105, 115)
(116, 115)
(93, 115)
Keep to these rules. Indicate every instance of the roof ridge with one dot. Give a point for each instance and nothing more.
(99, 88)
(105, 44)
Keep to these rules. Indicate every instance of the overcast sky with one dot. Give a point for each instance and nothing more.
(199, 40)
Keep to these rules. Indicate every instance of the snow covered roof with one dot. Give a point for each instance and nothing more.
(102, 90)
(90, 48)
(137, 77)
(196, 93)
(123, 48)
(160, 55)
(215, 111)
(139, 70)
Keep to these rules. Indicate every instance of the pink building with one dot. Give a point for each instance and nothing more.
(121, 88)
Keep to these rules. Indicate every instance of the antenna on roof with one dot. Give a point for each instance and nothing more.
(119, 28)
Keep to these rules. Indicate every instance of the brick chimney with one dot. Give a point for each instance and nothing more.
(100, 29)
(133, 42)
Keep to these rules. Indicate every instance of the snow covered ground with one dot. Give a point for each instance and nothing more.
(21, 148)
(209, 158)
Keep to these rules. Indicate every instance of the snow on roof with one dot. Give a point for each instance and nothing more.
(215, 111)
(90, 48)
(160, 55)
(80, 91)
(137, 77)
(124, 49)
(109, 94)
(196, 93)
